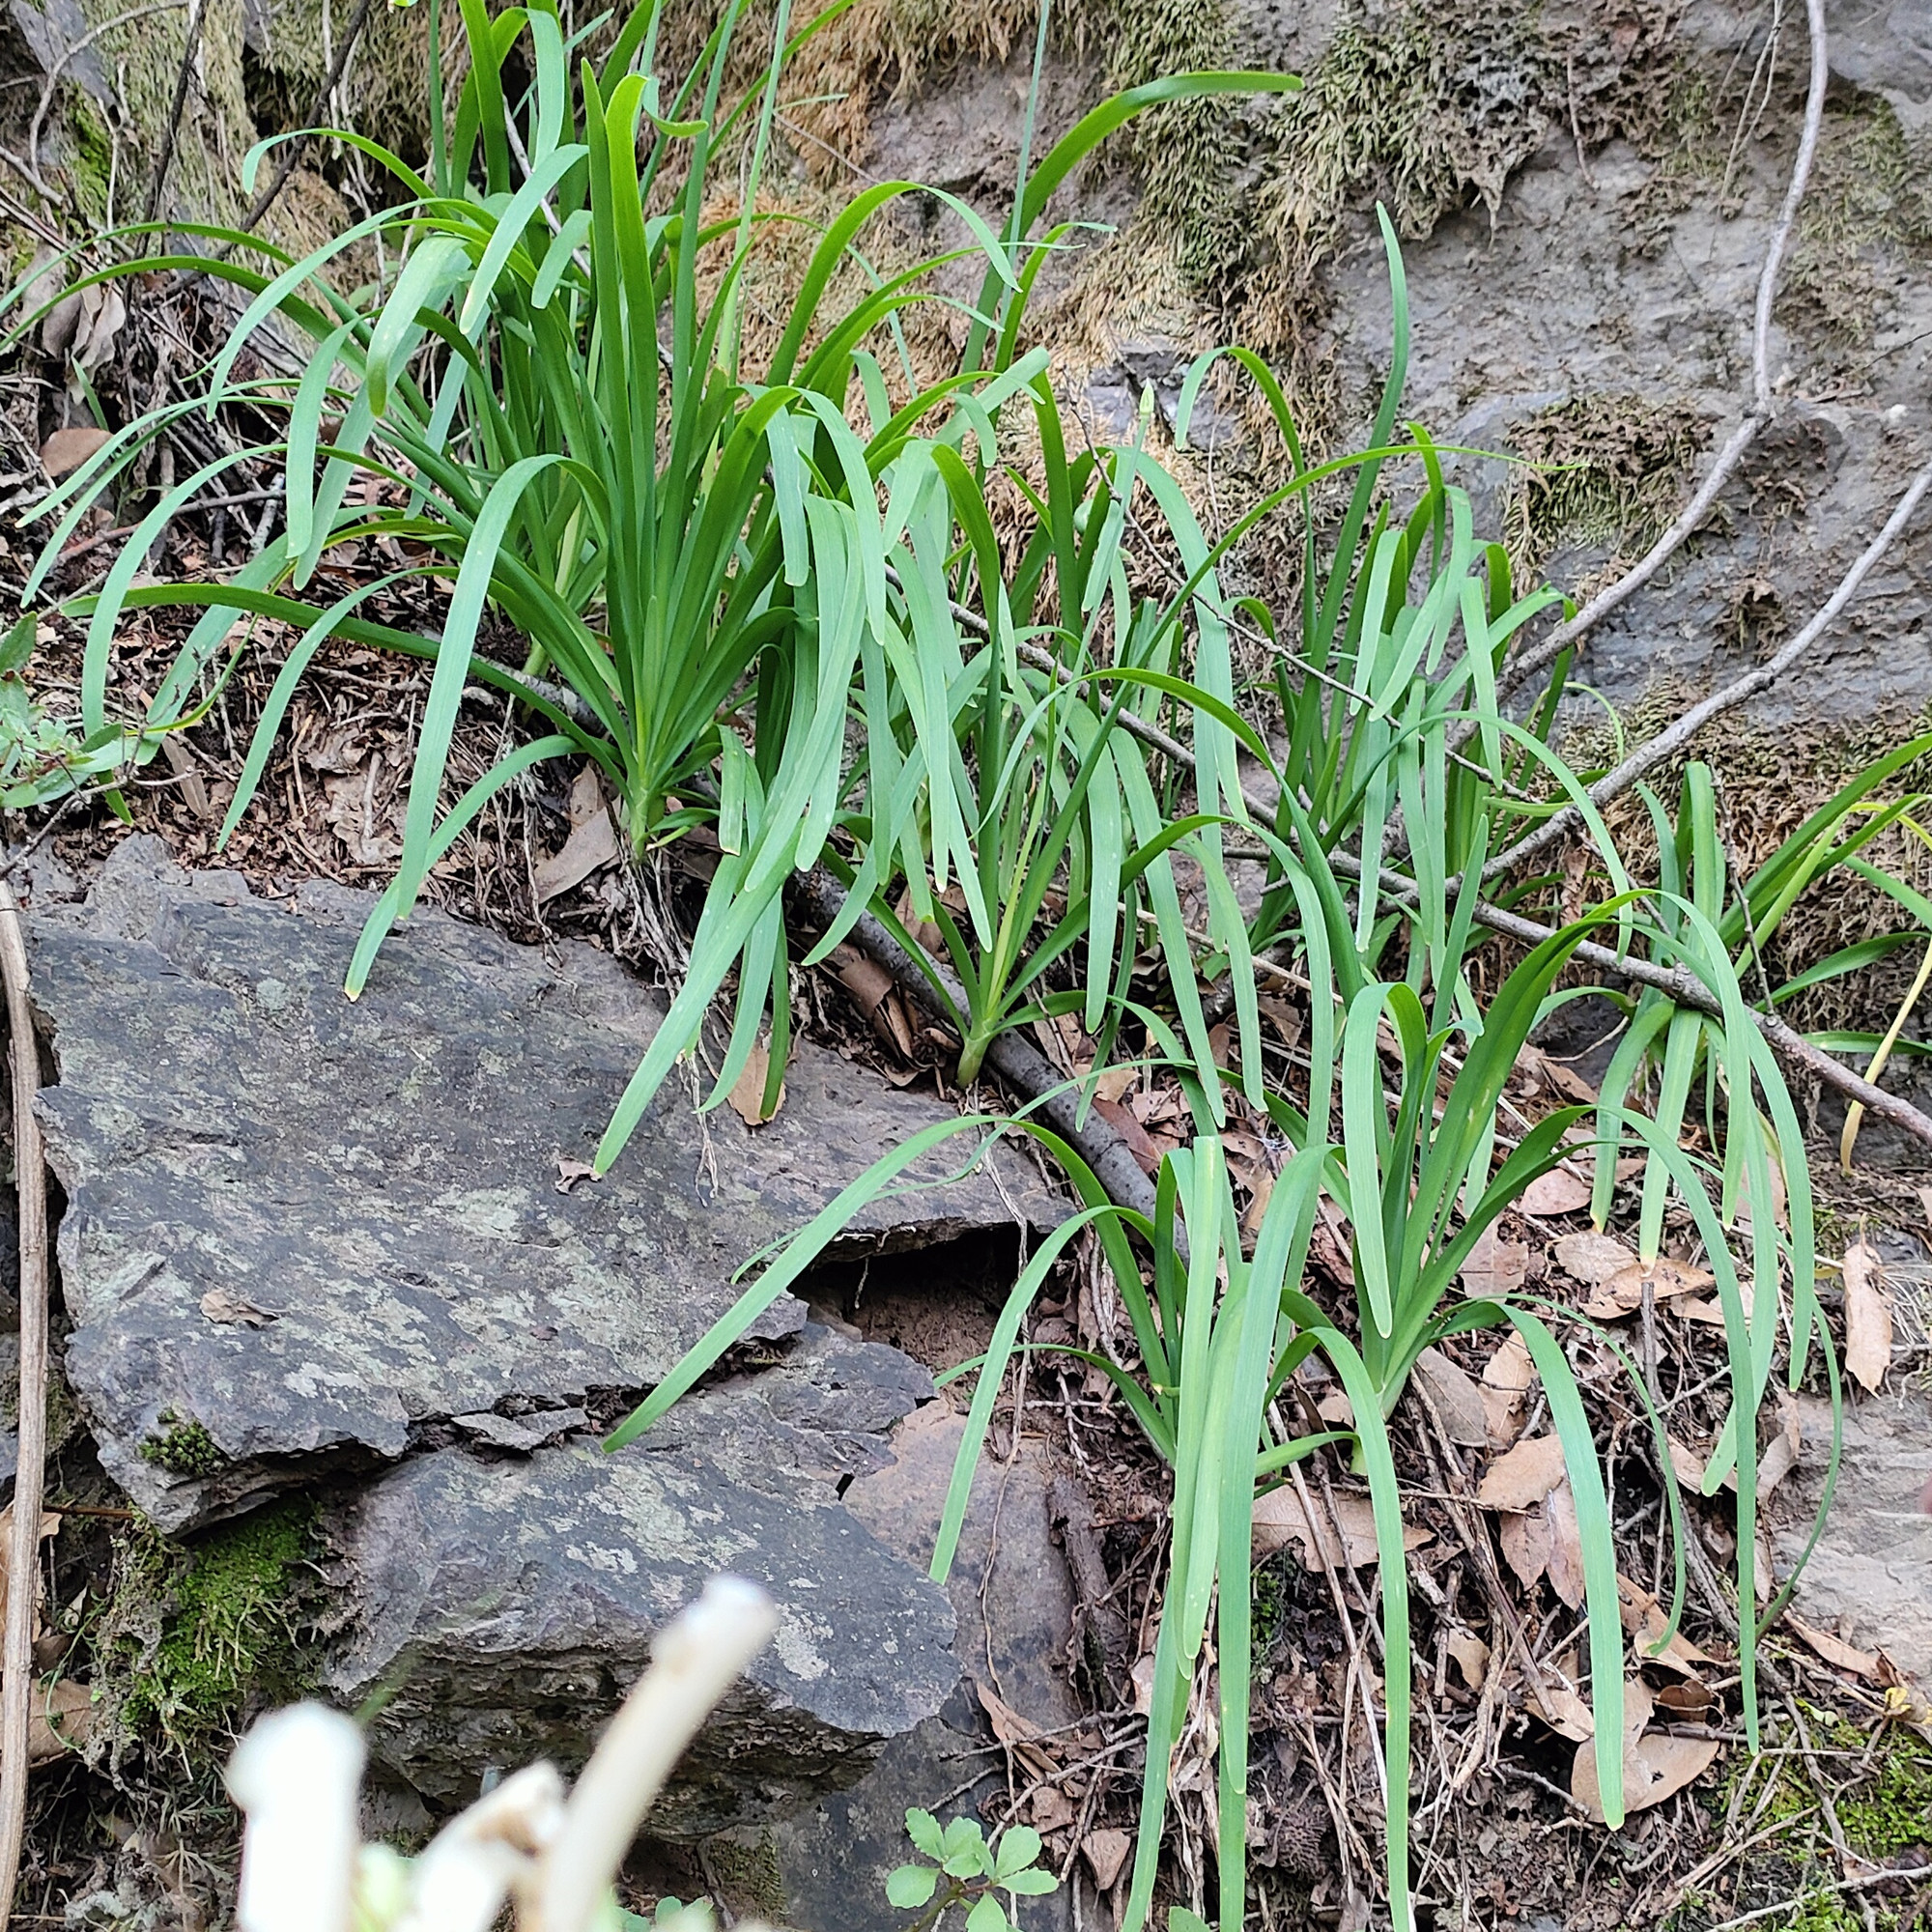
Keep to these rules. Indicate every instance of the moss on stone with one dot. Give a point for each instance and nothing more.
(1609, 469)
(1871, 201)
(200, 1634)
(181, 1447)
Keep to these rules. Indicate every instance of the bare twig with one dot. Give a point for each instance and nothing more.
(1919, 1874)
(1525, 665)
(1683, 987)
(1654, 751)
(164, 161)
(24, 1542)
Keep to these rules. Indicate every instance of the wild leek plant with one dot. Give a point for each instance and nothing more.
(550, 395)
(1224, 1325)
(1042, 810)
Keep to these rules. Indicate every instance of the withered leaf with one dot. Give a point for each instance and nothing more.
(1106, 1852)
(1868, 1316)
(1458, 1400)
(1564, 1569)
(1495, 1267)
(1561, 1191)
(1834, 1650)
(1521, 1477)
(747, 1097)
(1593, 1259)
(1524, 1537)
(1279, 1521)
(67, 449)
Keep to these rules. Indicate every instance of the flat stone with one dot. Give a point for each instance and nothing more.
(1869, 1580)
(504, 1607)
(1014, 1604)
(385, 1181)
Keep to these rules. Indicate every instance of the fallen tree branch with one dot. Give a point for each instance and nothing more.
(1021, 1066)
(1521, 668)
(1687, 990)
(22, 1555)
(1655, 750)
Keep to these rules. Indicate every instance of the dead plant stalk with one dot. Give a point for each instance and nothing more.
(1757, 415)
(23, 1544)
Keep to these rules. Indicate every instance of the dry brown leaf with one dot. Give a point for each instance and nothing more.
(67, 449)
(1593, 1259)
(180, 762)
(1709, 1312)
(1563, 1190)
(59, 1721)
(1106, 1853)
(1657, 1767)
(1511, 1369)
(1868, 1316)
(50, 1524)
(1779, 1458)
(748, 1091)
(1925, 1202)
(1558, 1077)
(1495, 1267)
(1524, 1537)
(1834, 1650)
(1638, 1707)
(1279, 1521)
(219, 1305)
(1458, 1401)
(1471, 1655)
(1643, 1616)
(1686, 1464)
(1688, 1701)
(1336, 1410)
(1142, 1679)
(1562, 1709)
(1565, 1568)
(1052, 1809)
(1123, 1121)
(590, 846)
(1505, 1416)
(1117, 1082)
(877, 995)
(1623, 1293)
(1020, 1735)
(570, 1171)
(1521, 1477)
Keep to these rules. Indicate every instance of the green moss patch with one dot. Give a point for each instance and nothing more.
(199, 1636)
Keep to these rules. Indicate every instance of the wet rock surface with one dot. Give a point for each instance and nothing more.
(304, 1234)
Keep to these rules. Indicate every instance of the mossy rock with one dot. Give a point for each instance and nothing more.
(198, 1636)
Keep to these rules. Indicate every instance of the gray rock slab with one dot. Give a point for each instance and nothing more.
(301, 1231)
(1015, 1606)
(1870, 1578)
(503, 1607)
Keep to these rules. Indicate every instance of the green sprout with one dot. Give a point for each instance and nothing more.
(975, 1873)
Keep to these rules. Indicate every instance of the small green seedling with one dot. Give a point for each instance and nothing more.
(974, 1873)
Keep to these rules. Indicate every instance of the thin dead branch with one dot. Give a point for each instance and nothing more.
(1525, 665)
(1024, 1070)
(1668, 742)
(16, 1687)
